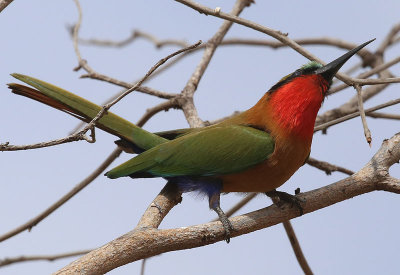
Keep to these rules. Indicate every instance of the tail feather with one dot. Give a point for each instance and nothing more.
(36, 95)
(84, 110)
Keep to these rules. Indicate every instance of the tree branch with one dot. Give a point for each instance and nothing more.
(367, 132)
(383, 115)
(91, 73)
(8, 261)
(139, 244)
(327, 167)
(294, 242)
(282, 37)
(188, 107)
(4, 4)
(323, 126)
(31, 223)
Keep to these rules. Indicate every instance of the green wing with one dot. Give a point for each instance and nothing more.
(215, 150)
(173, 134)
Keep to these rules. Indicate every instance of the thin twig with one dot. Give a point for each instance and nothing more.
(158, 64)
(95, 75)
(355, 114)
(282, 37)
(389, 39)
(363, 53)
(158, 43)
(294, 242)
(164, 106)
(160, 70)
(367, 132)
(327, 167)
(81, 135)
(142, 266)
(8, 261)
(383, 115)
(369, 73)
(74, 137)
(31, 223)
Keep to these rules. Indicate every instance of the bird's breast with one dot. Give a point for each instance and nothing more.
(287, 158)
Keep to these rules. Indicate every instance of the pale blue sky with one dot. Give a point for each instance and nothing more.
(358, 236)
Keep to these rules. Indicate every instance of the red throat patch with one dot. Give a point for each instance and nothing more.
(295, 105)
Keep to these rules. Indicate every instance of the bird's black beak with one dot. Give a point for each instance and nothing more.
(329, 70)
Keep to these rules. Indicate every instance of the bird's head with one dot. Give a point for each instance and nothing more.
(317, 71)
(295, 100)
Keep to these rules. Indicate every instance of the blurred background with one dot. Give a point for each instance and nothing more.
(358, 236)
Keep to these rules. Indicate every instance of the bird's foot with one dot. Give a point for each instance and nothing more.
(285, 198)
(225, 223)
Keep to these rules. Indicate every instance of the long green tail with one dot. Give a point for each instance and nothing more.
(85, 110)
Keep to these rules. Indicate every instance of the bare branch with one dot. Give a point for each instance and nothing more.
(365, 54)
(327, 167)
(359, 81)
(114, 155)
(294, 242)
(383, 115)
(160, 206)
(74, 137)
(31, 223)
(164, 106)
(81, 135)
(4, 4)
(369, 73)
(355, 114)
(142, 267)
(158, 64)
(187, 101)
(273, 33)
(8, 261)
(134, 35)
(95, 75)
(150, 242)
(389, 39)
(367, 132)
(142, 89)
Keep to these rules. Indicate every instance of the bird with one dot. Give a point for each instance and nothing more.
(257, 150)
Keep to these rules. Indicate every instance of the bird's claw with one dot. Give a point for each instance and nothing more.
(286, 198)
(225, 223)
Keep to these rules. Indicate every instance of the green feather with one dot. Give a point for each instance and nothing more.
(87, 111)
(211, 151)
(312, 65)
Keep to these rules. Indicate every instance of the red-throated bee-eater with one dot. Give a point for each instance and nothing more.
(255, 151)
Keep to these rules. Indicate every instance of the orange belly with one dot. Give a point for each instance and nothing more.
(272, 173)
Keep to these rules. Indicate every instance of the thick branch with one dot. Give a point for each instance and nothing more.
(4, 4)
(139, 244)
